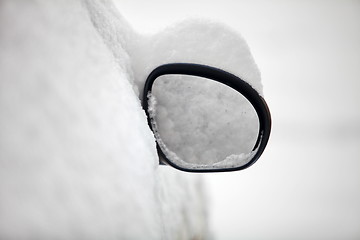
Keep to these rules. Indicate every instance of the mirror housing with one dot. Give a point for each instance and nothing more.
(221, 76)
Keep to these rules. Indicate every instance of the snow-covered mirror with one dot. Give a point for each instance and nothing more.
(201, 124)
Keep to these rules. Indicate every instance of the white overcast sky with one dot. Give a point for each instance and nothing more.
(307, 183)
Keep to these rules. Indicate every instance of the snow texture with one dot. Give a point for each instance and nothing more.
(77, 158)
(200, 123)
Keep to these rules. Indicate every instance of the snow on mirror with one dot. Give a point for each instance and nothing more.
(200, 124)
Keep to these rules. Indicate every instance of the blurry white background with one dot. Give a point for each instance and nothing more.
(307, 183)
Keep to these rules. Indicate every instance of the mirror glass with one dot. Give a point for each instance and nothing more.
(202, 124)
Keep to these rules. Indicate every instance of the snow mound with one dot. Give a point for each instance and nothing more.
(195, 41)
(77, 158)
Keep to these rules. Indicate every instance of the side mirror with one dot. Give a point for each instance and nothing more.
(205, 119)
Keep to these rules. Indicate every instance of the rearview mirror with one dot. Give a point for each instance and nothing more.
(205, 119)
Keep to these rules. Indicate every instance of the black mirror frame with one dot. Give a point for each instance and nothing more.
(223, 77)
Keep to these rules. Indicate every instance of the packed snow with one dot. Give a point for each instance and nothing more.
(199, 123)
(78, 160)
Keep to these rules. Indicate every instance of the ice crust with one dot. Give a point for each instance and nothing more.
(77, 158)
